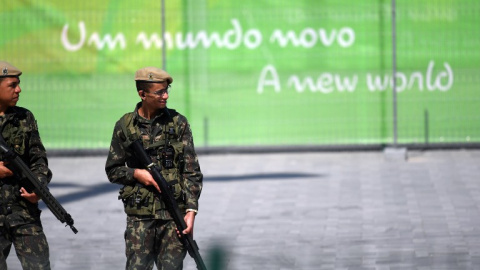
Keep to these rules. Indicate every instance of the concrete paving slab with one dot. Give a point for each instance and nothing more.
(323, 210)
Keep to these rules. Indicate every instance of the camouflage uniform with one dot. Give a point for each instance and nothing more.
(150, 235)
(19, 219)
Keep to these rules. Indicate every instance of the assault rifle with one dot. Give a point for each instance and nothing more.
(170, 202)
(40, 189)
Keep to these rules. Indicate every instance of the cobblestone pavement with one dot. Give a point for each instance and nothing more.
(322, 210)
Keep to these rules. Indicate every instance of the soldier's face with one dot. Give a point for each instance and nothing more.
(9, 91)
(155, 97)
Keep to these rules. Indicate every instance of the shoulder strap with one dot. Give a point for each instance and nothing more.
(173, 121)
(132, 133)
(129, 130)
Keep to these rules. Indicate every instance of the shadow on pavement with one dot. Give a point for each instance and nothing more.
(91, 191)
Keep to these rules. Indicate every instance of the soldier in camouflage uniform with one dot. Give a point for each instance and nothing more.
(151, 235)
(20, 223)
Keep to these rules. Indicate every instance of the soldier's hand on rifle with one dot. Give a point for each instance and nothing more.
(189, 221)
(31, 197)
(4, 171)
(144, 177)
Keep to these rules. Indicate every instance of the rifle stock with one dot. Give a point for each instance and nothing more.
(41, 190)
(170, 202)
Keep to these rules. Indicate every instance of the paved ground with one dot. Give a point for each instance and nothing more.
(344, 210)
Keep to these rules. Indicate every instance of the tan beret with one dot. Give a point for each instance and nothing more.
(8, 70)
(152, 74)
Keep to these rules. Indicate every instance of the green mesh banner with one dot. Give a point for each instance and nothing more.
(253, 73)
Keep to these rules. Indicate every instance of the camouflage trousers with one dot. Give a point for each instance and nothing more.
(30, 245)
(153, 241)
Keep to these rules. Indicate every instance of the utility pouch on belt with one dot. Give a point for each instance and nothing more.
(172, 176)
(138, 200)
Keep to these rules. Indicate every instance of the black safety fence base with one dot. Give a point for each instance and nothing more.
(284, 149)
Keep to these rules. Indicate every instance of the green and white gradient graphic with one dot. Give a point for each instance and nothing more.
(251, 73)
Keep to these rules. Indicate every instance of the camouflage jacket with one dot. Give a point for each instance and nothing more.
(121, 163)
(20, 132)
